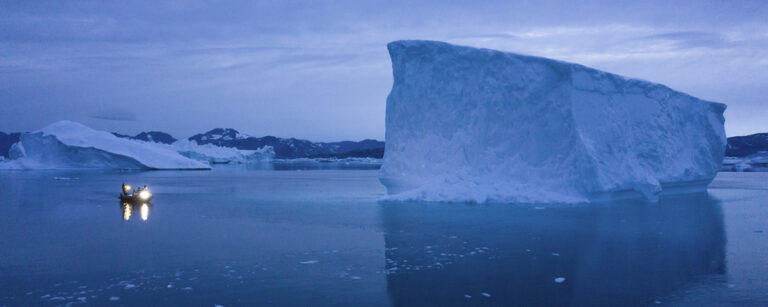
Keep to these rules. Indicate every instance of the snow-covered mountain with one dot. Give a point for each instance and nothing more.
(150, 136)
(291, 148)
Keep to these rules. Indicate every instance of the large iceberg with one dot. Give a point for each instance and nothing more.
(468, 124)
(67, 144)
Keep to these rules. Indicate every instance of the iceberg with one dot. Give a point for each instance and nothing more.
(222, 155)
(478, 125)
(66, 144)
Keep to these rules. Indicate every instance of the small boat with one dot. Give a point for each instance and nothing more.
(139, 195)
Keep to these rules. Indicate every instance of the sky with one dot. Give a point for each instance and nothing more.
(320, 70)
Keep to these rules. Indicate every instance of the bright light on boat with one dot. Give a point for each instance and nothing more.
(127, 188)
(144, 212)
(145, 194)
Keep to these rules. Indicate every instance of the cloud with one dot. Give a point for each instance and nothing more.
(690, 39)
(114, 114)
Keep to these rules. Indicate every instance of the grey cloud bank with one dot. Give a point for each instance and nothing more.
(320, 70)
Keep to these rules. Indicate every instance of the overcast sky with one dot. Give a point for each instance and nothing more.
(320, 70)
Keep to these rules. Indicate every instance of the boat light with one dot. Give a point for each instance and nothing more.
(127, 187)
(145, 194)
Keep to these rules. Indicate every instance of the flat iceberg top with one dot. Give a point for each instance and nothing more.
(468, 124)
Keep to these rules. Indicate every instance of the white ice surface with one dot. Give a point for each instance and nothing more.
(467, 124)
(67, 144)
(217, 154)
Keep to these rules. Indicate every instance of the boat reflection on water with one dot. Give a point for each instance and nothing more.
(618, 254)
(131, 208)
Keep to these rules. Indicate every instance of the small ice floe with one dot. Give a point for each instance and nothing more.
(187, 289)
(65, 178)
(232, 271)
(114, 298)
(169, 286)
(217, 305)
(657, 302)
(355, 277)
(560, 280)
(467, 296)
(309, 262)
(452, 237)
(129, 286)
(57, 298)
(486, 294)
(82, 299)
(556, 254)
(45, 296)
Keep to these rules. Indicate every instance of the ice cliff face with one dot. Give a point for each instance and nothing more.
(467, 124)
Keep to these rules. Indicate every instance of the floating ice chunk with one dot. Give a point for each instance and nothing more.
(467, 296)
(114, 298)
(187, 289)
(486, 294)
(559, 280)
(310, 262)
(130, 286)
(467, 124)
(217, 154)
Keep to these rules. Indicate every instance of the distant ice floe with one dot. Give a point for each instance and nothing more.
(757, 162)
(71, 145)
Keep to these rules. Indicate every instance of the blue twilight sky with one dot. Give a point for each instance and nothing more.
(320, 70)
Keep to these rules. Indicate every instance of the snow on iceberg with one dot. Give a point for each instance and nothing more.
(222, 155)
(467, 124)
(67, 144)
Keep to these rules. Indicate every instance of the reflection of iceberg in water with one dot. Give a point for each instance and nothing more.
(129, 209)
(617, 254)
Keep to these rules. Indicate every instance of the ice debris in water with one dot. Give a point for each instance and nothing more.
(309, 262)
(560, 280)
(114, 298)
(466, 124)
(486, 294)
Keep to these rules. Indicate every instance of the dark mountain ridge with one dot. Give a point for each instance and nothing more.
(150, 136)
(290, 148)
(741, 146)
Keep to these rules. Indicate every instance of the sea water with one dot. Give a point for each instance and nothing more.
(295, 235)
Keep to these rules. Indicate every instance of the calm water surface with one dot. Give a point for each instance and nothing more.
(289, 236)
